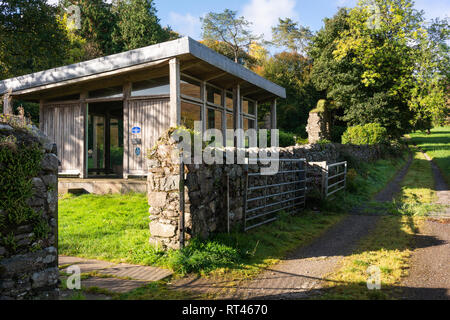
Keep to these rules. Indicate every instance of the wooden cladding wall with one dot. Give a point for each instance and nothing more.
(64, 124)
(152, 116)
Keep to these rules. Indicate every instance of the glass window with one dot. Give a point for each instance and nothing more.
(214, 119)
(248, 124)
(248, 107)
(230, 125)
(189, 114)
(159, 86)
(113, 92)
(229, 100)
(215, 122)
(214, 95)
(191, 88)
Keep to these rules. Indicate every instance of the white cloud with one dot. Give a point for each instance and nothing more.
(264, 14)
(346, 3)
(187, 24)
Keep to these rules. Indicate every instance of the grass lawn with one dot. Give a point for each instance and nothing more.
(437, 146)
(108, 227)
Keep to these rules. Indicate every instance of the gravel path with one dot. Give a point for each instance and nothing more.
(429, 277)
(301, 274)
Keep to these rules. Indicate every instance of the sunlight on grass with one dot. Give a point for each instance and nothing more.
(418, 185)
(388, 248)
(107, 227)
(437, 146)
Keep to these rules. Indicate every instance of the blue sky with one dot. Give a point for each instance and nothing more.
(183, 16)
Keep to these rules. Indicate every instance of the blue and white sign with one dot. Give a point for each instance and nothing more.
(137, 151)
(136, 130)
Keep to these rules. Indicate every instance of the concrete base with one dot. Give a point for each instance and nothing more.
(101, 186)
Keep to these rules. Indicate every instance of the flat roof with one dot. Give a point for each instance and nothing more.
(161, 51)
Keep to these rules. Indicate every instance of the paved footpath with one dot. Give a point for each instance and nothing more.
(301, 274)
(116, 278)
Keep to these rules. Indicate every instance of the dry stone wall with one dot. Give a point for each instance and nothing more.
(207, 186)
(28, 249)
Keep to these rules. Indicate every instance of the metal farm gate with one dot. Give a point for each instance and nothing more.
(334, 178)
(267, 195)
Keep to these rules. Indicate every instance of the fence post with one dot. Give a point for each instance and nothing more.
(182, 238)
(245, 200)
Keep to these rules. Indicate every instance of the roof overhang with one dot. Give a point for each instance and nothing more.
(134, 61)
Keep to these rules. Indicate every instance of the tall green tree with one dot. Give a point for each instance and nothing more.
(291, 70)
(291, 35)
(138, 25)
(229, 29)
(32, 38)
(368, 59)
(430, 92)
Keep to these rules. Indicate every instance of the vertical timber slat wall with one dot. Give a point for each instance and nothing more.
(64, 125)
(153, 116)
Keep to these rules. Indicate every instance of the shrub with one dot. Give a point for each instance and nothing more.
(203, 255)
(286, 139)
(369, 134)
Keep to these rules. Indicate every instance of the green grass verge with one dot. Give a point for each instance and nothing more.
(437, 146)
(418, 184)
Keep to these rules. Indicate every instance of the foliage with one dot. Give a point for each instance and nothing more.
(137, 25)
(291, 35)
(291, 71)
(369, 134)
(31, 37)
(371, 70)
(285, 139)
(204, 256)
(226, 27)
(19, 162)
(223, 48)
(97, 24)
(336, 133)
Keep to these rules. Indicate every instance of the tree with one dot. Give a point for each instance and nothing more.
(368, 61)
(291, 35)
(292, 71)
(338, 81)
(429, 94)
(227, 28)
(137, 25)
(32, 38)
